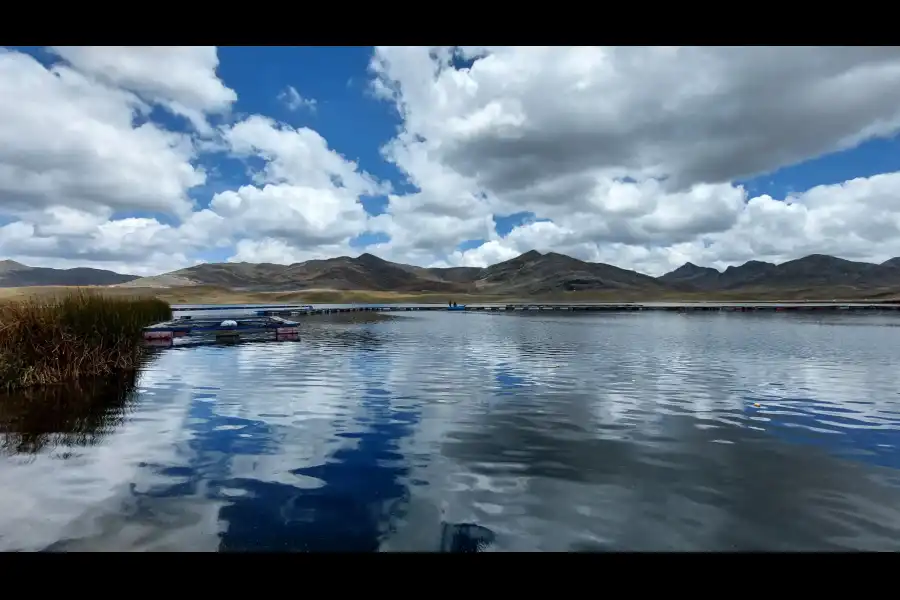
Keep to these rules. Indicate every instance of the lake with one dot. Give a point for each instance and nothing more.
(444, 431)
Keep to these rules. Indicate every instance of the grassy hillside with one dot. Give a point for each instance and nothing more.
(530, 276)
(13, 274)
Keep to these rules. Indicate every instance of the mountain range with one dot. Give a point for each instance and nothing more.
(531, 274)
(13, 274)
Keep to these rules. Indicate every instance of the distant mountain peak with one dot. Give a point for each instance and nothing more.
(11, 265)
(530, 255)
(689, 270)
(13, 274)
(818, 259)
(750, 264)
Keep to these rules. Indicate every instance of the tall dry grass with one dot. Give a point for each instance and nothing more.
(80, 334)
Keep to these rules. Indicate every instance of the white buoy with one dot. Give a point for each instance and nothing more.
(229, 323)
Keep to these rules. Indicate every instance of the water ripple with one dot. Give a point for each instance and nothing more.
(464, 432)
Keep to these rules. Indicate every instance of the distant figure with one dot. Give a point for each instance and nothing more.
(449, 303)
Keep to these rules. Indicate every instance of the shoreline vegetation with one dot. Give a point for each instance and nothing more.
(208, 294)
(72, 334)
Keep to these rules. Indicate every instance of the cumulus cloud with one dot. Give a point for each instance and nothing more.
(623, 155)
(632, 153)
(523, 118)
(88, 179)
(181, 78)
(293, 100)
(68, 138)
(306, 197)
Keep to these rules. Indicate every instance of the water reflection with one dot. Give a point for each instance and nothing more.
(353, 493)
(481, 432)
(696, 488)
(837, 429)
(80, 414)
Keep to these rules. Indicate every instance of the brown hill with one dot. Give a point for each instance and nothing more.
(690, 275)
(531, 274)
(365, 272)
(816, 271)
(536, 273)
(13, 274)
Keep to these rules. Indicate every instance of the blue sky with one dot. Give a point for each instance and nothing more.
(354, 122)
(555, 180)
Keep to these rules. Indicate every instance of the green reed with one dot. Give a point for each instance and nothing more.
(80, 334)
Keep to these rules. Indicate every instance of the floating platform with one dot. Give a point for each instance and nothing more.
(219, 329)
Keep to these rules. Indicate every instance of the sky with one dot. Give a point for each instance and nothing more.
(145, 160)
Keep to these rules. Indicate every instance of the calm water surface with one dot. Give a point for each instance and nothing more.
(642, 431)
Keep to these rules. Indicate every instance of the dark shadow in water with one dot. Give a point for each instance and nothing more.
(465, 538)
(75, 414)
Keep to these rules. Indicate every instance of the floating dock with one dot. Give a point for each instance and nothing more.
(219, 329)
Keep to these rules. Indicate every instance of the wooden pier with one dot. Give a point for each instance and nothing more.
(248, 307)
(600, 307)
(270, 319)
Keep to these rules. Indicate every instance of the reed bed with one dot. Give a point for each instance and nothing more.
(81, 334)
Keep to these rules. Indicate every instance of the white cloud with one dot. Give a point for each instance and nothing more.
(632, 152)
(181, 78)
(269, 250)
(306, 197)
(67, 138)
(521, 117)
(75, 166)
(294, 101)
(624, 155)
